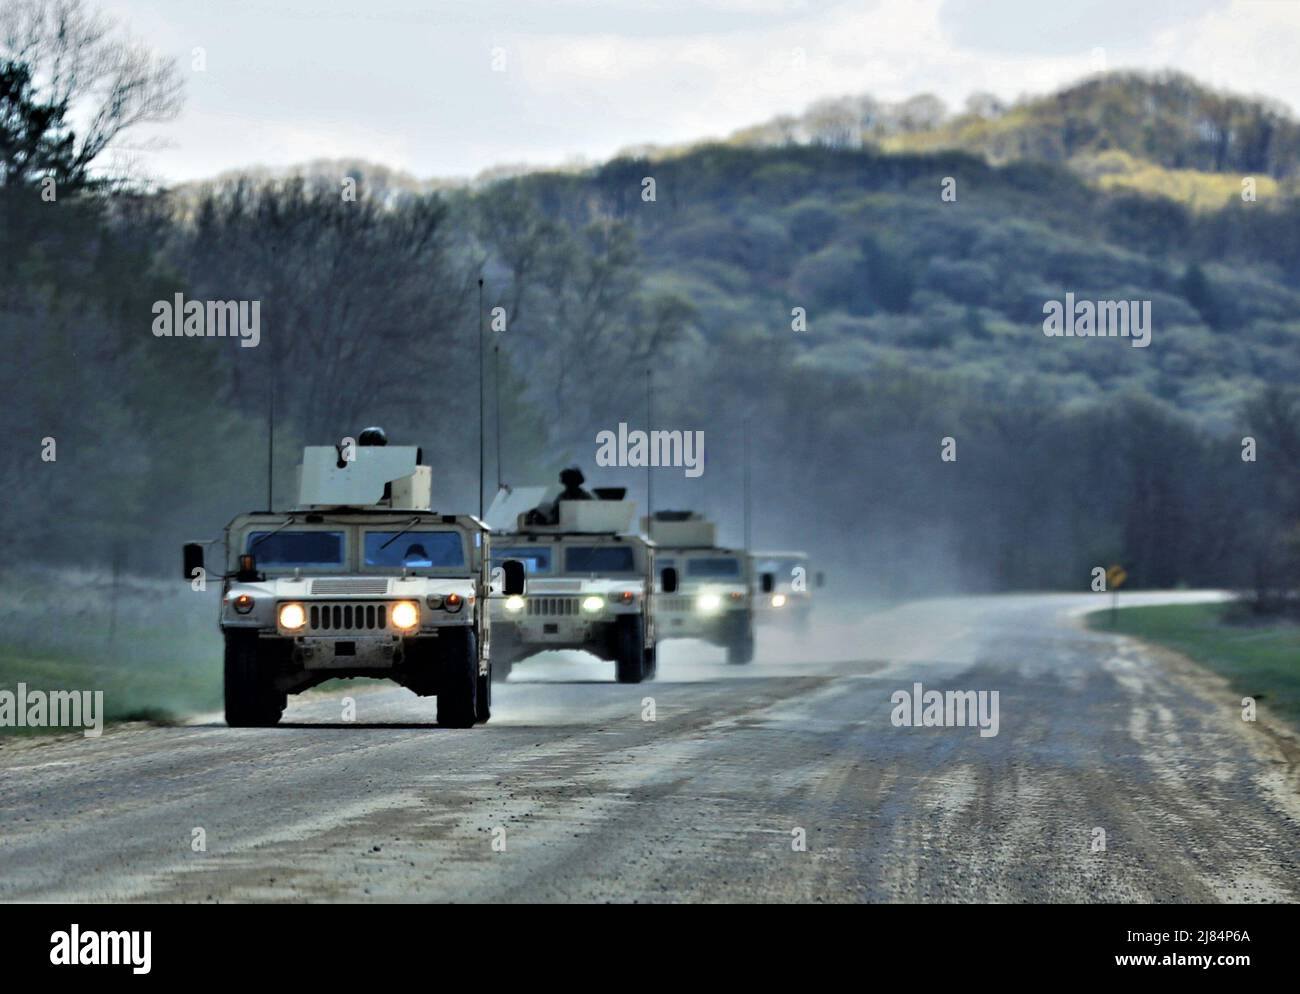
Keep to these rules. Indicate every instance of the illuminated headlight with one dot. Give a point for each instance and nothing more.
(242, 604)
(292, 617)
(405, 615)
(593, 604)
(778, 600)
(453, 602)
(514, 604)
(709, 602)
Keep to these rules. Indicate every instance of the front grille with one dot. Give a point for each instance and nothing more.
(346, 617)
(675, 604)
(552, 606)
(362, 586)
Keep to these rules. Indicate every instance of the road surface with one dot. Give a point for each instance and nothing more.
(570, 794)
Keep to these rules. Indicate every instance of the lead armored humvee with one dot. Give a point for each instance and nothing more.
(363, 578)
(714, 599)
(588, 585)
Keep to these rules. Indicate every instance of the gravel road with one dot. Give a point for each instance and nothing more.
(571, 794)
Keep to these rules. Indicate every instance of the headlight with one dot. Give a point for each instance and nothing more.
(453, 602)
(709, 602)
(292, 617)
(514, 603)
(626, 597)
(593, 604)
(434, 601)
(405, 615)
(243, 603)
(778, 600)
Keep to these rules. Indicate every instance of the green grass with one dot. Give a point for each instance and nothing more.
(1258, 658)
(143, 677)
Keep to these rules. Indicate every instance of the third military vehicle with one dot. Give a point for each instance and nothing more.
(713, 599)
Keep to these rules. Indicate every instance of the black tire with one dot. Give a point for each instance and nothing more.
(629, 649)
(458, 678)
(740, 642)
(251, 698)
(501, 666)
(651, 668)
(505, 652)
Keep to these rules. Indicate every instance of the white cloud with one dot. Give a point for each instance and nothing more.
(411, 85)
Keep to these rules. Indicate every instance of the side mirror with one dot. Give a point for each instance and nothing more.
(820, 579)
(192, 554)
(514, 577)
(668, 580)
(769, 582)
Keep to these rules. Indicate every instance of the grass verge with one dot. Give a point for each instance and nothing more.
(1258, 658)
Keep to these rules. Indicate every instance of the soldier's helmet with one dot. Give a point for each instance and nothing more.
(572, 477)
(373, 436)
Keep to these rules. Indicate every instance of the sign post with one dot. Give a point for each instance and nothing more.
(1115, 577)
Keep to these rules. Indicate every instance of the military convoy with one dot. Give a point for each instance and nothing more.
(589, 581)
(364, 578)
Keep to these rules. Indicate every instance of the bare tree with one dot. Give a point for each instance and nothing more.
(83, 62)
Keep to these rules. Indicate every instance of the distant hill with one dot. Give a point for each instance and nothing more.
(1160, 132)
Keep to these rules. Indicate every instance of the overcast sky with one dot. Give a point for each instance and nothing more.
(412, 84)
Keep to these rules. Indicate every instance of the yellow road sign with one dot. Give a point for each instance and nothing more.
(1115, 576)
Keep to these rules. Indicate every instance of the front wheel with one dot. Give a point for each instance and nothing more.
(251, 698)
(740, 643)
(458, 678)
(629, 649)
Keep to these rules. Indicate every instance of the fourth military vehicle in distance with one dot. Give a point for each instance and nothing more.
(587, 587)
(362, 579)
(713, 600)
(789, 599)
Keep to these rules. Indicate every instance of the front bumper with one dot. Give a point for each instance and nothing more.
(716, 627)
(553, 633)
(360, 652)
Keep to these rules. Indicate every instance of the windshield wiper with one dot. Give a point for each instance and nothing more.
(411, 524)
(259, 541)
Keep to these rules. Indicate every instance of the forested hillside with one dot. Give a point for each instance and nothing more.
(824, 292)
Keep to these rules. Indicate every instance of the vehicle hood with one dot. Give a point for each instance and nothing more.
(584, 585)
(368, 587)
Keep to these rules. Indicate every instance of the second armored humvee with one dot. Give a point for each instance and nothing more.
(714, 599)
(588, 587)
(363, 578)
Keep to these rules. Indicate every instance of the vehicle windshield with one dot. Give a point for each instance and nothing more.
(782, 567)
(713, 567)
(536, 559)
(599, 559)
(415, 549)
(290, 549)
